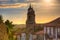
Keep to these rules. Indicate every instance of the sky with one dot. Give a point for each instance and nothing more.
(16, 10)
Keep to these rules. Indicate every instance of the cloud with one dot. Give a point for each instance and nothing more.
(19, 4)
(3, 0)
(16, 5)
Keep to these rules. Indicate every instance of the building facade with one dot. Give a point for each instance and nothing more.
(52, 30)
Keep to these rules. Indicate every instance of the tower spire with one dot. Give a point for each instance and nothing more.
(30, 22)
(30, 4)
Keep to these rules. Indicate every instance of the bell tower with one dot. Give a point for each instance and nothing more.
(30, 22)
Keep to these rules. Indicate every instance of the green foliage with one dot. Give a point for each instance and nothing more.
(9, 24)
(1, 19)
(9, 29)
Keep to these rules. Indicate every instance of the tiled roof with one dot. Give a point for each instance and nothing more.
(40, 32)
(53, 23)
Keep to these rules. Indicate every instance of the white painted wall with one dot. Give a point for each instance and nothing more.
(30, 37)
(44, 32)
(23, 36)
(48, 30)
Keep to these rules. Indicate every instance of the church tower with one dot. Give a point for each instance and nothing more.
(30, 22)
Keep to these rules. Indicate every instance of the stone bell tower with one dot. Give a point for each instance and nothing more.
(30, 22)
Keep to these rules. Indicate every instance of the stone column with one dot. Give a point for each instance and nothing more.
(56, 33)
(30, 37)
(52, 33)
(23, 36)
(48, 30)
(45, 30)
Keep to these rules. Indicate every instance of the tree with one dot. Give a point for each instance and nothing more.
(9, 29)
(9, 24)
(1, 19)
